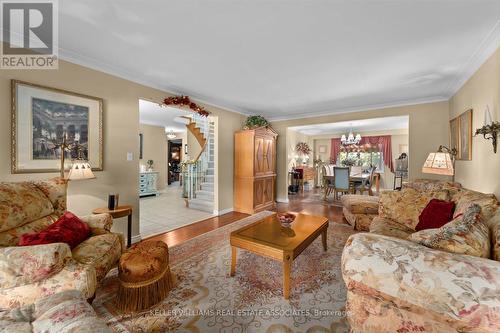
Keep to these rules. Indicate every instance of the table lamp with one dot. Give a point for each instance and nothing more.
(441, 162)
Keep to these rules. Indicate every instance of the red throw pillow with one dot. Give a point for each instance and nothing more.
(436, 214)
(67, 229)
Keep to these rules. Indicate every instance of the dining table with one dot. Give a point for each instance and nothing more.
(359, 177)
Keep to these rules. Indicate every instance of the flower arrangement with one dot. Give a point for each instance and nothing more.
(254, 122)
(303, 148)
(150, 164)
(186, 101)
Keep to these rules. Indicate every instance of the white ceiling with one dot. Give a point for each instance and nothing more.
(153, 114)
(286, 58)
(365, 125)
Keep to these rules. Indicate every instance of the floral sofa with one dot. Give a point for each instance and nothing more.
(28, 273)
(397, 285)
(65, 312)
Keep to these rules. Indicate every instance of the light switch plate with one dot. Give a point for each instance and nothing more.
(130, 156)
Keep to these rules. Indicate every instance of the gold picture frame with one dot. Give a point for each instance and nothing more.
(39, 116)
(465, 136)
(455, 133)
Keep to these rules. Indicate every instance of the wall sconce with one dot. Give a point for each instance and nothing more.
(490, 130)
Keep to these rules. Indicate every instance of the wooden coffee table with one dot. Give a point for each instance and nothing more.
(269, 238)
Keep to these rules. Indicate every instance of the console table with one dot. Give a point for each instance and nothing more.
(148, 183)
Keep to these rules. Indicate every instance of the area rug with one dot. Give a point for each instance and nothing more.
(206, 299)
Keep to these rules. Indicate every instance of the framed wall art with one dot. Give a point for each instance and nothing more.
(465, 136)
(322, 149)
(454, 133)
(42, 117)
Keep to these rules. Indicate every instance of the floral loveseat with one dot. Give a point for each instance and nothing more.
(397, 285)
(28, 273)
(64, 312)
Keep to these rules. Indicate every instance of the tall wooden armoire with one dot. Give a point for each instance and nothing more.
(254, 170)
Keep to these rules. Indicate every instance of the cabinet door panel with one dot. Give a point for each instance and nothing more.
(268, 194)
(258, 192)
(259, 156)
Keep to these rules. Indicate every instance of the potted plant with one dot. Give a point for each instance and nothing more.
(254, 122)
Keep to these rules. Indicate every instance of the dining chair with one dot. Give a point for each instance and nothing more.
(328, 179)
(367, 183)
(299, 177)
(356, 170)
(342, 181)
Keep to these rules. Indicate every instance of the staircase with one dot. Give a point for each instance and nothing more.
(199, 175)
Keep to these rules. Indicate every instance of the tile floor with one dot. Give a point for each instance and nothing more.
(167, 212)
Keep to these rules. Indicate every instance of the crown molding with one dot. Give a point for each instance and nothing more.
(485, 50)
(361, 108)
(92, 63)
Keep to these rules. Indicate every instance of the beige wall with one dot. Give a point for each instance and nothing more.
(482, 89)
(428, 128)
(154, 148)
(398, 137)
(121, 135)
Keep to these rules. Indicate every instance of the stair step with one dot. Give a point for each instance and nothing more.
(209, 178)
(210, 172)
(200, 204)
(205, 195)
(207, 186)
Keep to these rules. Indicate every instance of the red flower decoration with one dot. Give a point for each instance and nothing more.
(186, 101)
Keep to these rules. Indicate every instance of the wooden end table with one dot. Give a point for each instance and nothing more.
(120, 211)
(269, 238)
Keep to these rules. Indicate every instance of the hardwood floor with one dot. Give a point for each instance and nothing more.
(307, 203)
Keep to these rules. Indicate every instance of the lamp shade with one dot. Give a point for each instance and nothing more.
(439, 163)
(80, 170)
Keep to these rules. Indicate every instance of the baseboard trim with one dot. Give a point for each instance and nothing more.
(136, 239)
(224, 211)
(282, 200)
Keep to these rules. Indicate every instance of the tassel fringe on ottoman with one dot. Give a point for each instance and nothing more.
(137, 296)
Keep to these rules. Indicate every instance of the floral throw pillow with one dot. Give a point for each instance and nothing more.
(405, 206)
(466, 234)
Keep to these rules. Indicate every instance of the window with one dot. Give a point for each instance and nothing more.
(363, 159)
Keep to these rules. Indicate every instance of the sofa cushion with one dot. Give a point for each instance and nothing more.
(24, 265)
(360, 204)
(405, 206)
(68, 229)
(55, 189)
(494, 225)
(390, 228)
(21, 203)
(463, 198)
(11, 237)
(466, 234)
(436, 214)
(102, 252)
(431, 185)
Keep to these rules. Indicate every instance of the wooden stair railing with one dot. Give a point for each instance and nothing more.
(198, 135)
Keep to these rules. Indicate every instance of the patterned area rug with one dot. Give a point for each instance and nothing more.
(206, 299)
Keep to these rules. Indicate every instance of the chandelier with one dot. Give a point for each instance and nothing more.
(171, 135)
(350, 139)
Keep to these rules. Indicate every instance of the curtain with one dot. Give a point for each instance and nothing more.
(334, 150)
(383, 141)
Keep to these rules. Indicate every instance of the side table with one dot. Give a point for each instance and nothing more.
(120, 211)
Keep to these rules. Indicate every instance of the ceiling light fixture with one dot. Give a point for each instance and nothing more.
(171, 135)
(351, 139)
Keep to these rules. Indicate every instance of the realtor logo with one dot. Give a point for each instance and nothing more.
(29, 34)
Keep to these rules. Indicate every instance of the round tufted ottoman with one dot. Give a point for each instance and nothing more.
(144, 276)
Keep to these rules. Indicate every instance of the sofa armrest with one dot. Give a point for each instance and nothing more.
(453, 286)
(99, 223)
(21, 265)
(74, 276)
